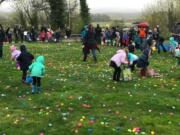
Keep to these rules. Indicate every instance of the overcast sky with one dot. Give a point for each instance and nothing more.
(99, 6)
(118, 5)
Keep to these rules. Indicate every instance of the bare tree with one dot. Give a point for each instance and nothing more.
(1, 1)
(32, 10)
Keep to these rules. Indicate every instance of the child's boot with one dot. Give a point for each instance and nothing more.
(143, 73)
(33, 89)
(39, 90)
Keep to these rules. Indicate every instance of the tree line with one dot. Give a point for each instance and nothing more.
(164, 13)
(54, 13)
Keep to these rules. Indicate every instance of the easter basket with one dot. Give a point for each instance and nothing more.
(127, 75)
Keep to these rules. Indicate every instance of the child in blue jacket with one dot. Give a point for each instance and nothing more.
(37, 70)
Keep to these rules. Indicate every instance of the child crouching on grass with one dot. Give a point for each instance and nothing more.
(121, 57)
(133, 60)
(37, 70)
(143, 62)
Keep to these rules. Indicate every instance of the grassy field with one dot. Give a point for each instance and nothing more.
(80, 98)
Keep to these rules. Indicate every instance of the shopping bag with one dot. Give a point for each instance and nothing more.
(29, 80)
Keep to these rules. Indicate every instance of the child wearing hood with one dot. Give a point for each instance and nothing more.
(173, 44)
(25, 59)
(143, 62)
(37, 70)
(116, 61)
(14, 55)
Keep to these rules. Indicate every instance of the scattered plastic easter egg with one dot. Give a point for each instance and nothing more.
(81, 120)
(79, 125)
(50, 124)
(102, 123)
(129, 130)
(152, 133)
(91, 122)
(90, 130)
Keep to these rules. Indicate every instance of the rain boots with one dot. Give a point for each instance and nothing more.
(36, 89)
(33, 89)
(39, 89)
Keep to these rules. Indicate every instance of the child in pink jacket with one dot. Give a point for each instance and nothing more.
(116, 61)
(14, 55)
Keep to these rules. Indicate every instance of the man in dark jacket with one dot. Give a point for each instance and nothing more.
(25, 60)
(98, 31)
(90, 43)
(68, 32)
(16, 34)
(159, 40)
(2, 37)
(160, 44)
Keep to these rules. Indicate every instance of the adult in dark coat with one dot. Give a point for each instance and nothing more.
(68, 32)
(159, 40)
(9, 35)
(16, 34)
(25, 59)
(90, 43)
(21, 34)
(98, 31)
(160, 44)
(2, 38)
(33, 33)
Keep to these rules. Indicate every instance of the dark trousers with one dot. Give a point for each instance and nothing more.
(142, 45)
(1, 50)
(16, 38)
(99, 40)
(10, 40)
(37, 81)
(132, 67)
(24, 74)
(117, 71)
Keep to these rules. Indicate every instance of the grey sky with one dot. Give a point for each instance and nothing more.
(118, 5)
(99, 6)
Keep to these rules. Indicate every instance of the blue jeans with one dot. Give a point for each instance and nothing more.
(94, 53)
(159, 45)
(86, 52)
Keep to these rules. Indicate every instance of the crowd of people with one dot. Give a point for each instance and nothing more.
(141, 37)
(127, 41)
(46, 34)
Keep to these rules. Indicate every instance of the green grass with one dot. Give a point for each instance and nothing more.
(151, 104)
